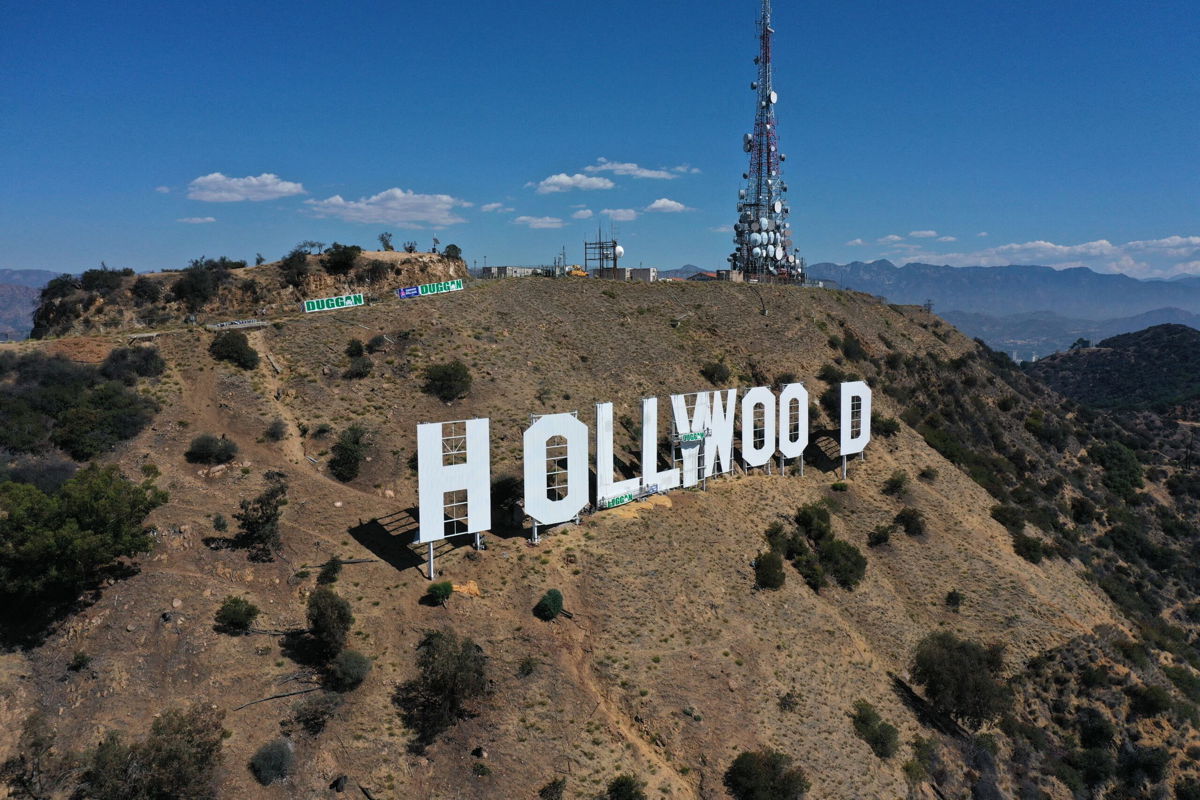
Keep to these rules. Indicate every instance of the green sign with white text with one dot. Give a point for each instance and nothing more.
(330, 303)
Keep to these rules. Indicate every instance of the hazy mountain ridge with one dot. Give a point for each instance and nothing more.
(1040, 333)
(1078, 292)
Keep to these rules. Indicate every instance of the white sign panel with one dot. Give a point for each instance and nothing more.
(652, 479)
(793, 420)
(757, 454)
(436, 478)
(856, 417)
(607, 489)
(538, 505)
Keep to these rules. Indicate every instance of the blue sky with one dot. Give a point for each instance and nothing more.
(1068, 132)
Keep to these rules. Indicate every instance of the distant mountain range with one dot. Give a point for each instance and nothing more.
(1042, 332)
(19, 290)
(1076, 293)
(1032, 310)
(1157, 369)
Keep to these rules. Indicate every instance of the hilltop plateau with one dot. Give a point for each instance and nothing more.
(1014, 518)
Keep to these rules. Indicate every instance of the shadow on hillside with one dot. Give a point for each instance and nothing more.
(390, 538)
(822, 452)
(924, 712)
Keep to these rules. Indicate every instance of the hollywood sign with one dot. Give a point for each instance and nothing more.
(454, 461)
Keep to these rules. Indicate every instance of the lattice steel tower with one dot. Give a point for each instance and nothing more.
(762, 233)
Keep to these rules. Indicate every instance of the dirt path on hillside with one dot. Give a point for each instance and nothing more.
(579, 663)
(293, 443)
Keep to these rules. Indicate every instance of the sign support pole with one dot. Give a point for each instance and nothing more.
(843, 468)
(431, 561)
(535, 539)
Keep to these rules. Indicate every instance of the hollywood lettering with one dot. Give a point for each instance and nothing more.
(703, 437)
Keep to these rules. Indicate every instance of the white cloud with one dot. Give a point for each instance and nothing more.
(1148, 258)
(981, 234)
(562, 182)
(196, 220)
(163, 189)
(218, 188)
(539, 222)
(498, 207)
(620, 214)
(394, 206)
(583, 213)
(922, 234)
(686, 169)
(855, 243)
(667, 206)
(628, 168)
(947, 239)
(722, 229)
(891, 238)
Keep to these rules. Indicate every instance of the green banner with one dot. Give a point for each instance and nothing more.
(330, 303)
(619, 500)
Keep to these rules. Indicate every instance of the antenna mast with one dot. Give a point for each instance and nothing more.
(762, 234)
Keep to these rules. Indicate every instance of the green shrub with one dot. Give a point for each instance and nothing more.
(811, 571)
(954, 600)
(359, 368)
(549, 606)
(625, 787)
(347, 670)
(330, 571)
(1095, 729)
(313, 713)
(885, 426)
(897, 483)
(234, 347)
(768, 570)
(145, 290)
(959, 678)
(765, 775)
(355, 348)
(276, 431)
(258, 521)
(852, 348)
(843, 561)
(1148, 701)
(294, 267)
(911, 520)
(813, 522)
(448, 381)
(928, 474)
(450, 673)
(339, 258)
(202, 279)
(348, 453)
(377, 343)
(1122, 470)
(178, 759)
(236, 614)
(1028, 547)
(440, 592)
(839, 486)
(1011, 517)
(329, 619)
(1138, 766)
(553, 790)
(79, 661)
(879, 535)
(55, 545)
(127, 364)
(273, 762)
(208, 449)
(715, 373)
(880, 736)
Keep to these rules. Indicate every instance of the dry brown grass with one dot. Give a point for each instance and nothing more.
(665, 616)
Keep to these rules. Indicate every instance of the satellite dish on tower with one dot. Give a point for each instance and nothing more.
(618, 251)
(774, 98)
(778, 206)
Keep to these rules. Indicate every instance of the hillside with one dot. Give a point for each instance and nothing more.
(1157, 368)
(215, 290)
(672, 662)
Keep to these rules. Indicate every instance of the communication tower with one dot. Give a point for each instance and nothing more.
(602, 255)
(762, 234)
